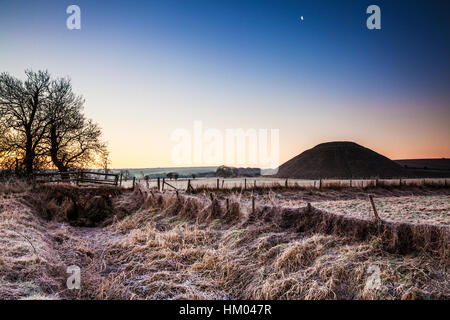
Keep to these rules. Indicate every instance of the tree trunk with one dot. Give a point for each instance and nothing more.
(29, 158)
(59, 163)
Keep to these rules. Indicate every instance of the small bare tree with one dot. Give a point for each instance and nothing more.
(105, 161)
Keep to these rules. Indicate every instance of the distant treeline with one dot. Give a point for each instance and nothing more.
(222, 171)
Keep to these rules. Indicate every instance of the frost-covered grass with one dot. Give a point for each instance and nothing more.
(178, 246)
(413, 209)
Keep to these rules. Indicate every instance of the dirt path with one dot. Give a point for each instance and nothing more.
(83, 247)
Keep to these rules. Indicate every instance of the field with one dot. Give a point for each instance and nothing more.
(269, 182)
(413, 209)
(144, 244)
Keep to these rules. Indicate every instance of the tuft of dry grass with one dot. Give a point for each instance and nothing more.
(14, 186)
(29, 267)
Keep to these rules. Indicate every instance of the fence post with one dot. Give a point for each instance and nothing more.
(81, 176)
(159, 184)
(120, 180)
(218, 184)
(377, 218)
(308, 207)
(189, 187)
(286, 183)
(163, 182)
(320, 184)
(245, 184)
(146, 181)
(223, 181)
(228, 204)
(254, 184)
(116, 180)
(134, 182)
(253, 204)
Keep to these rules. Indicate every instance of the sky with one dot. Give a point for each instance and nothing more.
(148, 68)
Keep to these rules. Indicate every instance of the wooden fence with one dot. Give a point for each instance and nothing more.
(77, 177)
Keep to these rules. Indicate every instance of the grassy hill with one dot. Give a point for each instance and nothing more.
(343, 160)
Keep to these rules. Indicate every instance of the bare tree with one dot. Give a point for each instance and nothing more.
(22, 117)
(71, 139)
(42, 124)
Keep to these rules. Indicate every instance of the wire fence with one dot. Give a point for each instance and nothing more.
(263, 182)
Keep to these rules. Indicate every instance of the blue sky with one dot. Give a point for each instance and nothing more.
(149, 67)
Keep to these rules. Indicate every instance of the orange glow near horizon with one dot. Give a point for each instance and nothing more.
(131, 158)
(419, 134)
